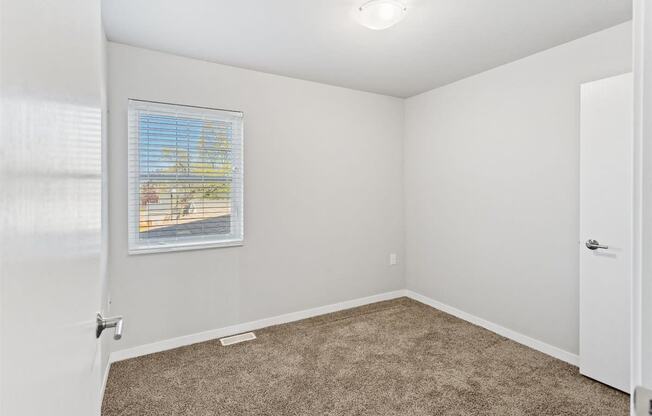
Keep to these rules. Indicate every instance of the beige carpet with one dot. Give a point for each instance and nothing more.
(391, 358)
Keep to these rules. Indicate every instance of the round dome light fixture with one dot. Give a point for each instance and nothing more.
(381, 14)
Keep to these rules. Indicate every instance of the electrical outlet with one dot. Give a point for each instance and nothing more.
(643, 401)
(392, 259)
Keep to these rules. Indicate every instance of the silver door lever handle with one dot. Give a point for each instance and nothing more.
(104, 323)
(595, 244)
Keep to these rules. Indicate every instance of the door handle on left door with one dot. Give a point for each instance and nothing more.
(104, 323)
(595, 244)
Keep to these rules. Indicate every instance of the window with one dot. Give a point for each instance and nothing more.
(185, 177)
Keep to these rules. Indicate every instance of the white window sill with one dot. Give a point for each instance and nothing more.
(167, 248)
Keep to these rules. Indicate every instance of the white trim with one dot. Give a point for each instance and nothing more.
(541, 346)
(641, 303)
(169, 344)
(105, 380)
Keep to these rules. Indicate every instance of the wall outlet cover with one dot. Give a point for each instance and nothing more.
(643, 401)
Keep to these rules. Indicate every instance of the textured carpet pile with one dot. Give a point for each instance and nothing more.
(391, 358)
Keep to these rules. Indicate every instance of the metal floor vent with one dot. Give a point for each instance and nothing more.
(235, 339)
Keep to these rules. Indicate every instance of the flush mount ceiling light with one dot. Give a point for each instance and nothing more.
(381, 14)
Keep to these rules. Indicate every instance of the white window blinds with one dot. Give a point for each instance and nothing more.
(185, 177)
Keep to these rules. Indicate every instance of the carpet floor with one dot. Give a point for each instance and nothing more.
(398, 357)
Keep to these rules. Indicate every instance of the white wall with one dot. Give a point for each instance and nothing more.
(323, 206)
(491, 187)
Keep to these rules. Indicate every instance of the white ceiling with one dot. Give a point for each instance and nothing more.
(438, 42)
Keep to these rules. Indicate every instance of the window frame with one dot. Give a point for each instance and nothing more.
(134, 244)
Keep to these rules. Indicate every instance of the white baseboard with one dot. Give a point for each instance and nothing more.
(169, 344)
(541, 346)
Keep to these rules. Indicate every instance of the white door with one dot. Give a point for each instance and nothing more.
(50, 207)
(606, 174)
